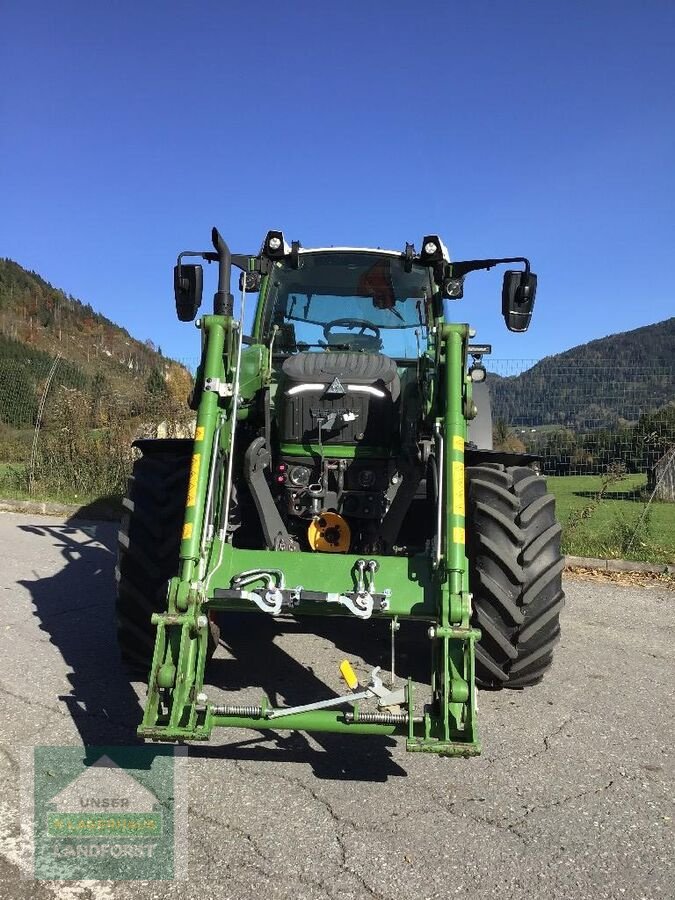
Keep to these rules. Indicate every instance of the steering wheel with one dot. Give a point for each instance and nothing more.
(363, 324)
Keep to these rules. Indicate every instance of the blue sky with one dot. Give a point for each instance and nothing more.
(520, 128)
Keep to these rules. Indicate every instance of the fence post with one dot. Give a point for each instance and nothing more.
(38, 423)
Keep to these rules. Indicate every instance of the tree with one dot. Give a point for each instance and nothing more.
(505, 439)
(156, 384)
(98, 389)
(559, 451)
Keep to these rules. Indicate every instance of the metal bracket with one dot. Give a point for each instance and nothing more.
(220, 387)
(272, 600)
(385, 697)
(256, 459)
(270, 603)
(365, 586)
(360, 606)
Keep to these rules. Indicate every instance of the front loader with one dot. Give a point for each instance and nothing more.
(342, 465)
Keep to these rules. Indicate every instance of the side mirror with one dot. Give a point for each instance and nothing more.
(518, 299)
(188, 282)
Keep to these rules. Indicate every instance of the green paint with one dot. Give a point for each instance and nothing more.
(216, 329)
(416, 588)
(336, 451)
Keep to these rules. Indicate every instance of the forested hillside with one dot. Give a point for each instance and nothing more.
(581, 410)
(572, 389)
(98, 359)
(606, 403)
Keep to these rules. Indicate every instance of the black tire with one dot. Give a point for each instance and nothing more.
(515, 569)
(148, 548)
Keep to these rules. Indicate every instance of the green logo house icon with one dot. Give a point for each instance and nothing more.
(104, 799)
(109, 815)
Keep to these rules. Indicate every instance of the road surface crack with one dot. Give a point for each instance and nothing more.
(240, 832)
(339, 824)
(563, 801)
(549, 737)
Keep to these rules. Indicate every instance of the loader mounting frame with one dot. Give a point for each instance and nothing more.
(215, 576)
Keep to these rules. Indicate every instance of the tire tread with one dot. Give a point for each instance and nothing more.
(515, 567)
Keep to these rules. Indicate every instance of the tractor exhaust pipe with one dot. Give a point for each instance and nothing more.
(223, 301)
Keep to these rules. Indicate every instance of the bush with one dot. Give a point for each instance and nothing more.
(14, 444)
(76, 460)
(628, 536)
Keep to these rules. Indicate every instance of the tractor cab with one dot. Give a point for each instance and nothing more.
(356, 301)
(347, 328)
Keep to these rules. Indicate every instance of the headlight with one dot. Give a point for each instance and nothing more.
(299, 476)
(366, 478)
(275, 246)
(454, 288)
(433, 250)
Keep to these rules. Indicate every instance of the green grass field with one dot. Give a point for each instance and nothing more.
(606, 528)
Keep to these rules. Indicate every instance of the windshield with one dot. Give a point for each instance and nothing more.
(350, 301)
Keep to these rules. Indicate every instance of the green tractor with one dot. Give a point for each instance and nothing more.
(342, 465)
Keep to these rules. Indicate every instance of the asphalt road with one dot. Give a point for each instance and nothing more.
(573, 797)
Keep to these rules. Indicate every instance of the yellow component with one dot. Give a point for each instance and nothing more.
(187, 530)
(458, 488)
(329, 533)
(199, 433)
(458, 536)
(194, 476)
(458, 443)
(349, 675)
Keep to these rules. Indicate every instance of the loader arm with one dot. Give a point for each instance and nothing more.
(211, 571)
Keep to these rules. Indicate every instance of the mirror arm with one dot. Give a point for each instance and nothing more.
(240, 260)
(223, 301)
(473, 265)
(208, 255)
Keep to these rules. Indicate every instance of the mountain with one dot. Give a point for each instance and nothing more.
(42, 317)
(97, 358)
(603, 383)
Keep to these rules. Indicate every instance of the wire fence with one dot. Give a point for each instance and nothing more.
(602, 430)
(586, 419)
(66, 434)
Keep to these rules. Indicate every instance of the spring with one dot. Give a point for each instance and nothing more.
(378, 718)
(250, 712)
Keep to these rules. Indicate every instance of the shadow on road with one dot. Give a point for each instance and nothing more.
(75, 607)
(258, 662)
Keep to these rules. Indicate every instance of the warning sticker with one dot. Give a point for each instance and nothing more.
(458, 488)
(199, 433)
(187, 531)
(194, 476)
